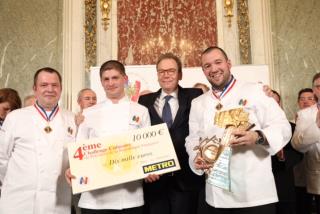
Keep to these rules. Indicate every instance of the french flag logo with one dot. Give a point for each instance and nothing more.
(83, 180)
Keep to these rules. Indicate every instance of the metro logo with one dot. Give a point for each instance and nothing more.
(159, 166)
(84, 180)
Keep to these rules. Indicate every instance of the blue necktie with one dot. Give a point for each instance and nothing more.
(166, 112)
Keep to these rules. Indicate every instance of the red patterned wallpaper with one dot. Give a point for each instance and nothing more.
(147, 28)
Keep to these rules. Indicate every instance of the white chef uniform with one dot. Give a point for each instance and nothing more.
(33, 162)
(105, 119)
(252, 182)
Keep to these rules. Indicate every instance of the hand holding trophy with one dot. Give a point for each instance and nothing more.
(214, 153)
(208, 152)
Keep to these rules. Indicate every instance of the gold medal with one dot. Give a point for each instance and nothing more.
(45, 116)
(219, 106)
(47, 129)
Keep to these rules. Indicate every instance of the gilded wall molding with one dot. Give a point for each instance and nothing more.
(244, 32)
(90, 27)
(105, 7)
(228, 6)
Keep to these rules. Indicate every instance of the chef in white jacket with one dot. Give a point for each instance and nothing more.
(252, 184)
(306, 139)
(33, 154)
(117, 114)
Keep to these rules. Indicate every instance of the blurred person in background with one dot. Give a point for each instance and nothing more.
(29, 100)
(201, 86)
(306, 98)
(9, 101)
(86, 98)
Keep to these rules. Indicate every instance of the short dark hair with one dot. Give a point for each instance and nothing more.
(170, 56)
(315, 77)
(46, 69)
(211, 48)
(305, 90)
(112, 64)
(11, 96)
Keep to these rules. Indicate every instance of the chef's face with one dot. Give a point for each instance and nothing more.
(47, 90)
(113, 82)
(216, 68)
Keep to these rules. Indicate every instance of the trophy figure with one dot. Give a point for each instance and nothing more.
(209, 149)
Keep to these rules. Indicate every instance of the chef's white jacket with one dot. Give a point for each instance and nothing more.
(33, 162)
(252, 181)
(105, 119)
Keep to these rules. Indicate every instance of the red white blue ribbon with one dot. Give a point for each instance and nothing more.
(44, 114)
(226, 89)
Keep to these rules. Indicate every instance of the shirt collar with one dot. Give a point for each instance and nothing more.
(173, 94)
(122, 100)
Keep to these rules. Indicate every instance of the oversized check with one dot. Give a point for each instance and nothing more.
(122, 158)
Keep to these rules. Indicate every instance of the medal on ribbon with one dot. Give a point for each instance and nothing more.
(47, 117)
(225, 90)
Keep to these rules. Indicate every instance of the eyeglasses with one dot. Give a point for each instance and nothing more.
(170, 71)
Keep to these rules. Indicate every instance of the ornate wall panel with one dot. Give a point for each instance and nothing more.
(295, 27)
(147, 28)
(90, 33)
(30, 38)
(244, 32)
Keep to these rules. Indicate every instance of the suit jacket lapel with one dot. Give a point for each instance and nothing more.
(153, 111)
(182, 99)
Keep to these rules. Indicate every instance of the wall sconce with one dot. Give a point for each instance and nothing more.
(228, 6)
(105, 6)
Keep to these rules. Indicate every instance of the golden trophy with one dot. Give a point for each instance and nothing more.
(209, 149)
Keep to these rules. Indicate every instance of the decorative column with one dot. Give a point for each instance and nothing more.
(261, 37)
(107, 40)
(228, 36)
(73, 52)
(244, 32)
(90, 27)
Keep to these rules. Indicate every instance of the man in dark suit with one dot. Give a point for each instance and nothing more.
(177, 192)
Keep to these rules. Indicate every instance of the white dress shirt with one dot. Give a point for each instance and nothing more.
(173, 102)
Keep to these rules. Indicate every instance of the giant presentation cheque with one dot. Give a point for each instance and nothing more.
(121, 158)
